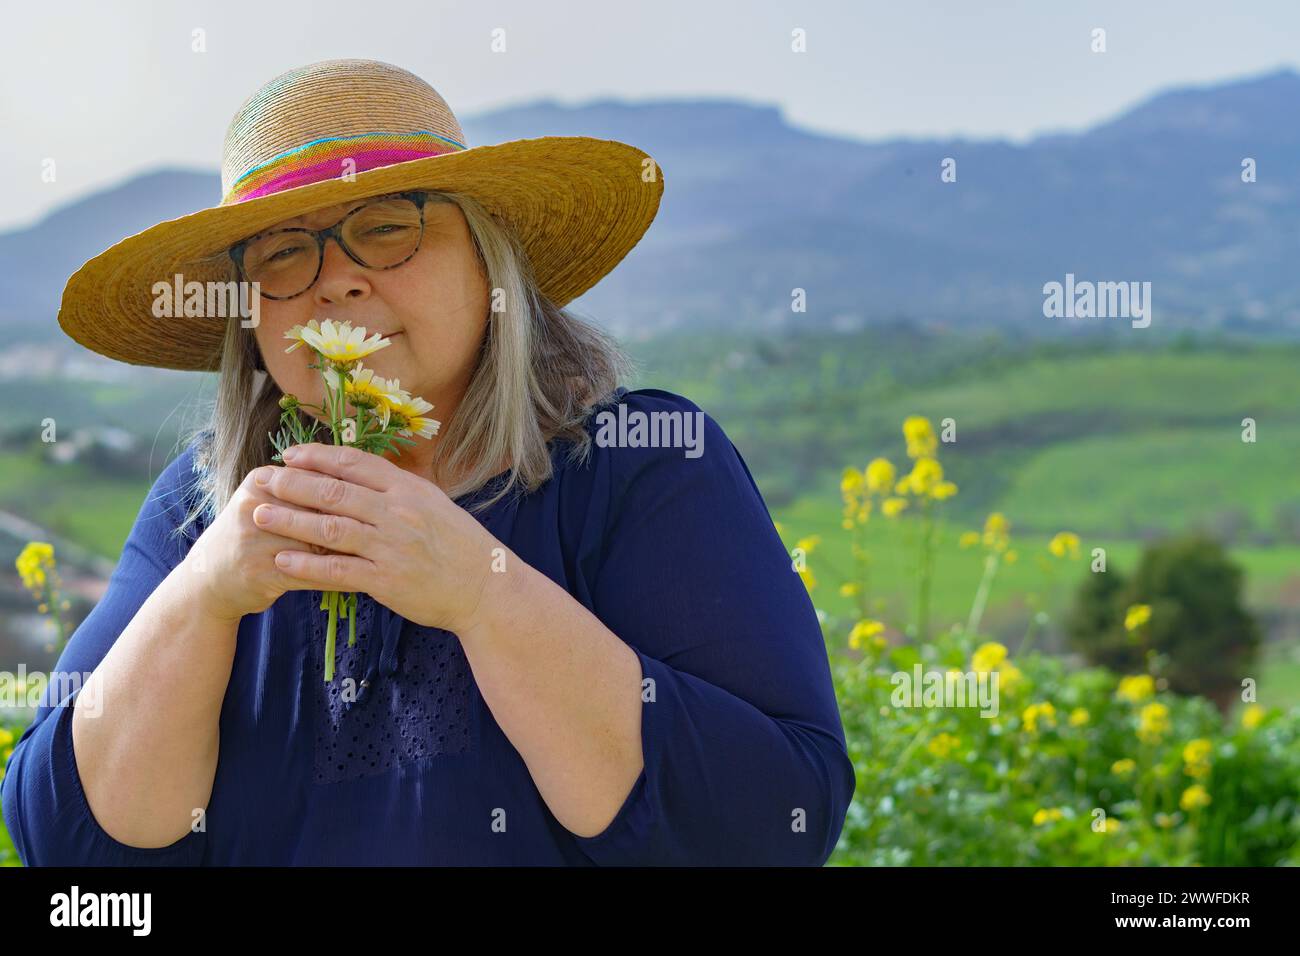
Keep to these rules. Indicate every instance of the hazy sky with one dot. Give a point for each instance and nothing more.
(110, 88)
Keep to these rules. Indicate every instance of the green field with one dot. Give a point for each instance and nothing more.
(1121, 445)
(958, 571)
(1135, 439)
(71, 500)
(1118, 444)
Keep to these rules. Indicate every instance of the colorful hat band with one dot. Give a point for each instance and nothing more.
(324, 159)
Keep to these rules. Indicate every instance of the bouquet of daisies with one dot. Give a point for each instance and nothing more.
(382, 415)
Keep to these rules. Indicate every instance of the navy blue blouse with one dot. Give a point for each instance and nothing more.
(745, 758)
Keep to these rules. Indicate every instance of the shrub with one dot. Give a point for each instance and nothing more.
(1078, 768)
(1099, 766)
(1199, 635)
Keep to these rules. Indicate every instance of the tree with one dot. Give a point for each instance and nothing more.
(1204, 636)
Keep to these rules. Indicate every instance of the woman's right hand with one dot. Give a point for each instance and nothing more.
(234, 559)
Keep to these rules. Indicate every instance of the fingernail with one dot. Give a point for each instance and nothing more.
(289, 452)
(263, 476)
(282, 560)
(264, 514)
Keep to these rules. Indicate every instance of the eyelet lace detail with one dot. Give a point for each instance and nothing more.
(421, 710)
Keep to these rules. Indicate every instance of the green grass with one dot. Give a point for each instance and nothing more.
(1036, 580)
(1279, 676)
(1138, 388)
(72, 501)
(1168, 478)
(102, 524)
(802, 407)
(892, 570)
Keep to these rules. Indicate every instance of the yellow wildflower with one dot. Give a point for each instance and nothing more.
(1252, 716)
(1136, 616)
(969, 539)
(1079, 716)
(32, 563)
(1042, 817)
(1113, 825)
(997, 531)
(850, 589)
(1136, 689)
(926, 474)
(864, 630)
(992, 656)
(809, 544)
(944, 489)
(987, 657)
(1194, 798)
(921, 440)
(879, 475)
(1196, 758)
(6, 737)
(1036, 712)
(943, 745)
(1010, 676)
(892, 507)
(1153, 723)
(852, 488)
(1123, 767)
(1064, 543)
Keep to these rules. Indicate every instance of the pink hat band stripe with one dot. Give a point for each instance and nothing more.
(328, 159)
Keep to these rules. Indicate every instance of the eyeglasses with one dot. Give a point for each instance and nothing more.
(382, 233)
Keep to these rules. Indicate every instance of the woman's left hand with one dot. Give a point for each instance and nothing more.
(388, 533)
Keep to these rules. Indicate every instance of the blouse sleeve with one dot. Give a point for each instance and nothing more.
(44, 806)
(744, 750)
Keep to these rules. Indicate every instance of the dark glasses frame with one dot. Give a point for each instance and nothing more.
(335, 232)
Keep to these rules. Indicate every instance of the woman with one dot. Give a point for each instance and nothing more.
(570, 650)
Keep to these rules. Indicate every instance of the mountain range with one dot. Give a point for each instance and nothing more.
(755, 207)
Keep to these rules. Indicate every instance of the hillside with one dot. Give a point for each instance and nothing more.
(755, 207)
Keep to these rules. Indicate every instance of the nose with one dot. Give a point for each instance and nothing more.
(341, 279)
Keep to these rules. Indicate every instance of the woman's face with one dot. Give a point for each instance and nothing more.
(433, 307)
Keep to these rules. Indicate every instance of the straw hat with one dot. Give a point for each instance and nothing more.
(340, 130)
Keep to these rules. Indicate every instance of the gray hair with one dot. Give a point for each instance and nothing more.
(540, 373)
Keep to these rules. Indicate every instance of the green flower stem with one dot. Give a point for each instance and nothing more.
(982, 593)
(1031, 631)
(352, 619)
(332, 599)
(860, 563)
(926, 566)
